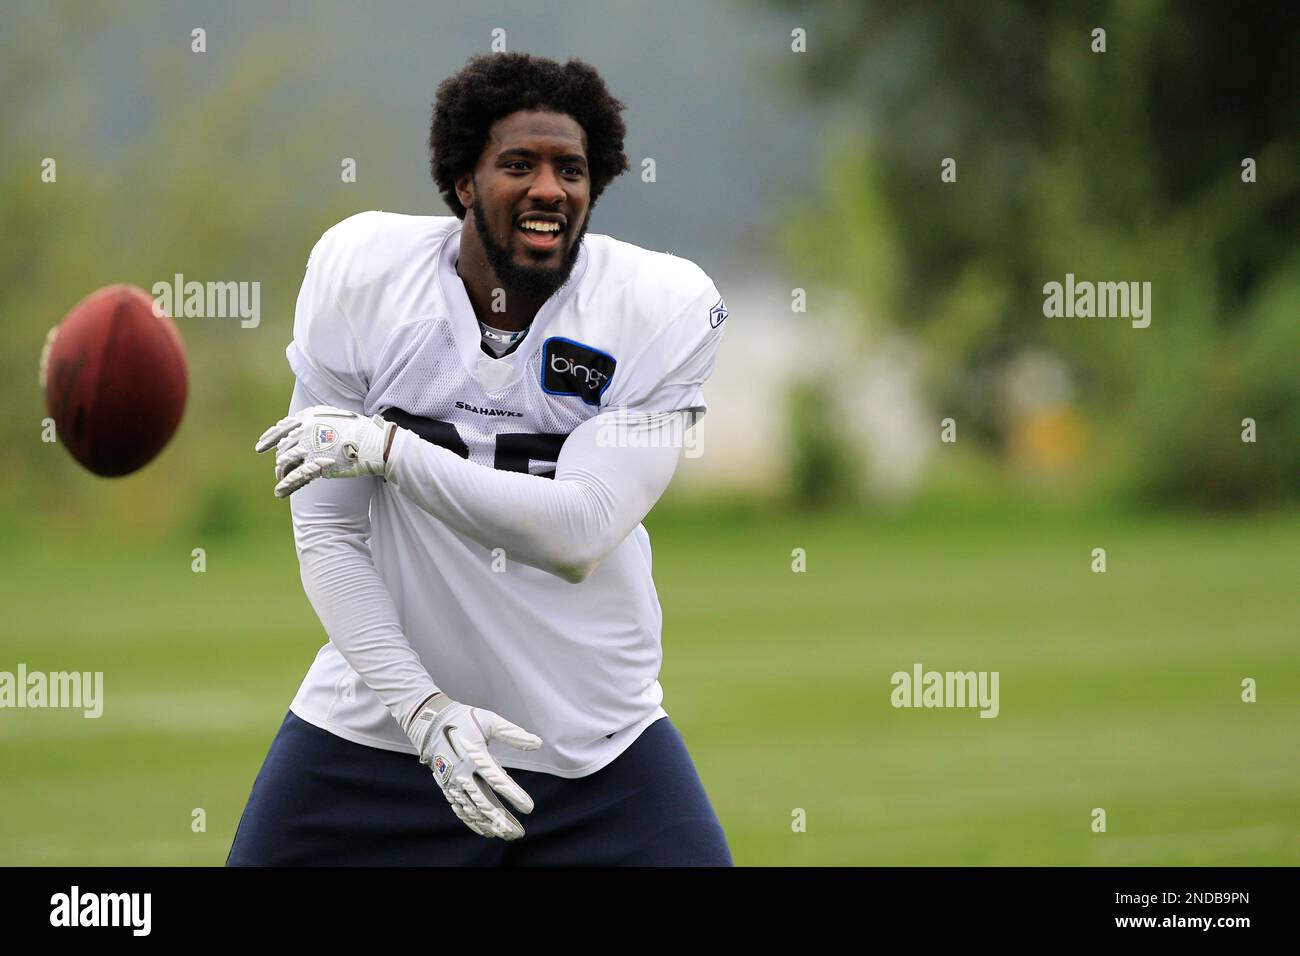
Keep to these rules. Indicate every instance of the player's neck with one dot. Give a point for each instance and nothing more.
(509, 313)
(519, 311)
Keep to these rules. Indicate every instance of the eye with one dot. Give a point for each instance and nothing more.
(572, 171)
(517, 162)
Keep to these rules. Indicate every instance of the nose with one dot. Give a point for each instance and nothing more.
(546, 187)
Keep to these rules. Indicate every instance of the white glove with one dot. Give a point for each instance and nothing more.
(325, 442)
(452, 739)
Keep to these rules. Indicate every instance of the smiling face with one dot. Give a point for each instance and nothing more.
(530, 200)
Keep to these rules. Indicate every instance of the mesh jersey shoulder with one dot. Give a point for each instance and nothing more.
(651, 287)
(372, 247)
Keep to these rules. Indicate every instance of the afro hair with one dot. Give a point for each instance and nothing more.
(494, 85)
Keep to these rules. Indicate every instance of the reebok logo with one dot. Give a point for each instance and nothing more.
(718, 314)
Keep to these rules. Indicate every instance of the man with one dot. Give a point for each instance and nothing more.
(505, 397)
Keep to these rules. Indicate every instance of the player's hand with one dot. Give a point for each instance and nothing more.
(324, 442)
(452, 739)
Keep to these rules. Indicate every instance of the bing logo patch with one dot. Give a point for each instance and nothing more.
(571, 368)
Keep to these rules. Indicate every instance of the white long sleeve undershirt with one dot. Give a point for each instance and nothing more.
(610, 472)
(331, 529)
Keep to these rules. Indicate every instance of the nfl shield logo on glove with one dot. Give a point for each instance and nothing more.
(441, 769)
(325, 437)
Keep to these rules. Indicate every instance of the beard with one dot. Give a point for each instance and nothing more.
(531, 281)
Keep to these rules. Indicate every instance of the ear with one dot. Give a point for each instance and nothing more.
(465, 190)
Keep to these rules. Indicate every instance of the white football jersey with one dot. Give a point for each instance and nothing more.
(384, 325)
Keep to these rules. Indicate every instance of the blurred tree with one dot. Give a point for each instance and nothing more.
(822, 469)
(1117, 166)
(225, 176)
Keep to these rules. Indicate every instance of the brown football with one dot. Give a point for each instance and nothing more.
(115, 380)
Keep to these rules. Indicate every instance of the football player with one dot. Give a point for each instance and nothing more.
(486, 406)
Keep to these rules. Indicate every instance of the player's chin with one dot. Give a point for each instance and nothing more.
(529, 256)
(543, 273)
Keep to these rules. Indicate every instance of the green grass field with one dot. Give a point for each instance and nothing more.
(1119, 690)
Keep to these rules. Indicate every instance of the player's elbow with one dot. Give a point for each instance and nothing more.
(573, 560)
(573, 543)
(575, 572)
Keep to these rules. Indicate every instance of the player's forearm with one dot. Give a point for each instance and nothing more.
(559, 526)
(357, 612)
(565, 526)
(331, 527)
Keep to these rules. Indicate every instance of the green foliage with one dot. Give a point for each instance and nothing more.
(1194, 453)
(1117, 166)
(822, 469)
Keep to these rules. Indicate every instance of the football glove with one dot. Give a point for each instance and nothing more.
(325, 442)
(452, 739)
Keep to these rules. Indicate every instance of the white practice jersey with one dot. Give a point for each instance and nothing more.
(384, 325)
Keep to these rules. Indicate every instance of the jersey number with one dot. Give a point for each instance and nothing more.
(514, 450)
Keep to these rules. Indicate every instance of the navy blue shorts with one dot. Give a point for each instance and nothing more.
(320, 800)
